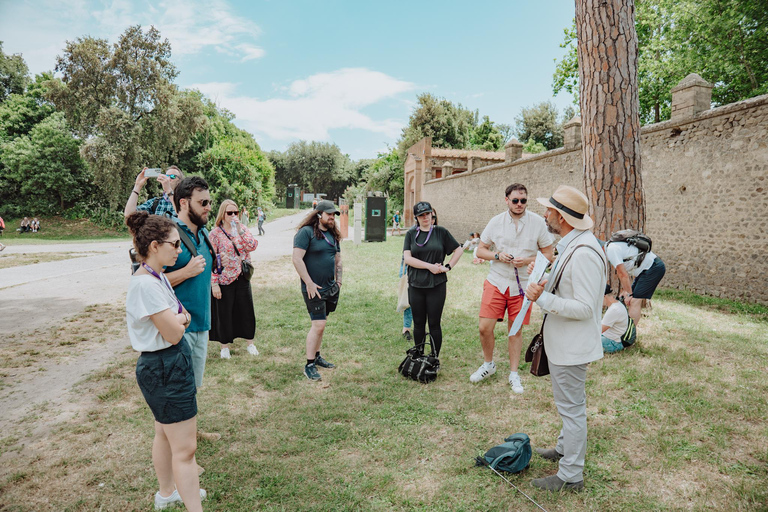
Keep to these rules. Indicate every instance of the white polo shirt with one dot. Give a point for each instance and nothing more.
(622, 253)
(521, 241)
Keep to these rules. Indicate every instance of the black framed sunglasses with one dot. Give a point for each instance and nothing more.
(176, 244)
(232, 212)
(205, 202)
(516, 200)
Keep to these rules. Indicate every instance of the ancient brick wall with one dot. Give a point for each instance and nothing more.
(706, 190)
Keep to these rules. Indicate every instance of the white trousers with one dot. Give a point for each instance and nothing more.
(568, 389)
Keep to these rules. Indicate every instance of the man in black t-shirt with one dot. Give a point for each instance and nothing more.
(317, 259)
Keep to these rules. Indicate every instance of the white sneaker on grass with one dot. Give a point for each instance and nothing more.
(485, 371)
(161, 502)
(514, 381)
(253, 350)
(225, 353)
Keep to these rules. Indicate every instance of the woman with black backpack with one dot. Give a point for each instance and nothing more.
(424, 250)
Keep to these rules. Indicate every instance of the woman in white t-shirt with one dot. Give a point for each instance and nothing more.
(615, 322)
(156, 325)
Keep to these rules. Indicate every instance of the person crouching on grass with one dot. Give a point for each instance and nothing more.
(156, 324)
(317, 259)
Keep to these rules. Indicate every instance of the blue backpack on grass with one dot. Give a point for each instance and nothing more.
(512, 456)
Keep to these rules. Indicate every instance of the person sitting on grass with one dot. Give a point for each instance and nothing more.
(35, 225)
(25, 225)
(618, 328)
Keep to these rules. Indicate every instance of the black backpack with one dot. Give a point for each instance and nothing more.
(638, 239)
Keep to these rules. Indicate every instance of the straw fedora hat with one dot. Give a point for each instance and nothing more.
(572, 204)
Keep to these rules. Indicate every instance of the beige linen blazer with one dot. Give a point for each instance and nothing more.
(572, 328)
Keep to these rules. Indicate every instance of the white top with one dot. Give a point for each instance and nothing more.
(617, 320)
(521, 241)
(147, 295)
(618, 252)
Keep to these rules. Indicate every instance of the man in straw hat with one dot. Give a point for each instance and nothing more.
(572, 299)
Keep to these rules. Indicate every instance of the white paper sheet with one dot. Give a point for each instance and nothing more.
(538, 272)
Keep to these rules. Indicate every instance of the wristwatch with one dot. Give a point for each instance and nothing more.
(169, 194)
(496, 256)
(448, 266)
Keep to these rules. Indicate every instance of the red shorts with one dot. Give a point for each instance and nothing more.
(494, 304)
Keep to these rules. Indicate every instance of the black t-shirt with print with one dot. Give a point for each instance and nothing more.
(440, 244)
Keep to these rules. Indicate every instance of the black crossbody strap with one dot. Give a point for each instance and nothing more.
(232, 241)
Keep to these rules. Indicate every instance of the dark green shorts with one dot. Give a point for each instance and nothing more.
(167, 381)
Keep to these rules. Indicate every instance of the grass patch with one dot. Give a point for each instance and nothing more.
(21, 259)
(755, 311)
(59, 228)
(677, 422)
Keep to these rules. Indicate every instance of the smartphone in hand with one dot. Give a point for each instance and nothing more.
(153, 172)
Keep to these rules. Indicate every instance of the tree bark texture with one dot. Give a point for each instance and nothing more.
(610, 129)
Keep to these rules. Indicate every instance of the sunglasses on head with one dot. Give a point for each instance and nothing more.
(176, 244)
(516, 200)
(232, 212)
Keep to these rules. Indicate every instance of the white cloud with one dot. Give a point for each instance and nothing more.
(39, 29)
(315, 105)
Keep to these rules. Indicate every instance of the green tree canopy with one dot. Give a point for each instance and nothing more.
(14, 74)
(539, 123)
(44, 172)
(450, 126)
(724, 41)
(20, 112)
(318, 167)
(122, 99)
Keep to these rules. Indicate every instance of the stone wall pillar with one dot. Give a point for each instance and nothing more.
(471, 163)
(692, 95)
(572, 136)
(447, 168)
(513, 150)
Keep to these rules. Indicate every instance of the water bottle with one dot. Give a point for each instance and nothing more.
(233, 224)
(219, 267)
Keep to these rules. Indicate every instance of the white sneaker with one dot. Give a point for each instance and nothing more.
(253, 350)
(514, 381)
(485, 371)
(161, 502)
(225, 353)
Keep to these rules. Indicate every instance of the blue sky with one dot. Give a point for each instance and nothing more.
(337, 71)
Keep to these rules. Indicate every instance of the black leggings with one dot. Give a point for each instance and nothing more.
(427, 304)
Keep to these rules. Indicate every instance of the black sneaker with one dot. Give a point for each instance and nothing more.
(407, 336)
(310, 371)
(322, 363)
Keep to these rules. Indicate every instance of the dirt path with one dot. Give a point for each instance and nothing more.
(40, 369)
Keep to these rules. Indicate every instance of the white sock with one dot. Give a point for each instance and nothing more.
(489, 365)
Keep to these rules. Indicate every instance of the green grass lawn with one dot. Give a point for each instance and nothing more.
(58, 229)
(677, 422)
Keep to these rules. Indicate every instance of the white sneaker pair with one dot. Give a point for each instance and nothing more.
(162, 502)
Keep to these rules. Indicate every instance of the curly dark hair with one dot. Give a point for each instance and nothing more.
(313, 219)
(147, 228)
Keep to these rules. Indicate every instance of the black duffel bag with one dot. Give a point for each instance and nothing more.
(418, 366)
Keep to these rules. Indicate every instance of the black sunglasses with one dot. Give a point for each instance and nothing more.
(232, 213)
(175, 244)
(205, 202)
(521, 201)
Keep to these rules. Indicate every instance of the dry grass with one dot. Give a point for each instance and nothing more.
(676, 423)
(21, 259)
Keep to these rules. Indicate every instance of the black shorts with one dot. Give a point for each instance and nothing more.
(645, 284)
(320, 307)
(167, 381)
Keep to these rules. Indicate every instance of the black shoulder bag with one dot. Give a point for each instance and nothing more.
(535, 354)
(245, 266)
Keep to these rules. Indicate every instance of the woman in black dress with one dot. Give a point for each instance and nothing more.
(424, 251)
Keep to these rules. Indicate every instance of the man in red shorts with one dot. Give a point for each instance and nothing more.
(515, 236)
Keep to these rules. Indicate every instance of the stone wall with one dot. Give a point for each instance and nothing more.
(706, 190)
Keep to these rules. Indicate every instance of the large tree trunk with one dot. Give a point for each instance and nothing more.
(610, 129)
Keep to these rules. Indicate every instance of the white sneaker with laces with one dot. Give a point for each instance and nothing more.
(253, 350)
(162, 502)
(485, 371)
(514, 381)
(225, 353)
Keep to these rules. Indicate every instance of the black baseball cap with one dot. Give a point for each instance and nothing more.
(421, 208)
(327, 207)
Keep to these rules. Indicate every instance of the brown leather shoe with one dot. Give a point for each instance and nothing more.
(554, 484)
(549, 454)
(208, 436)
